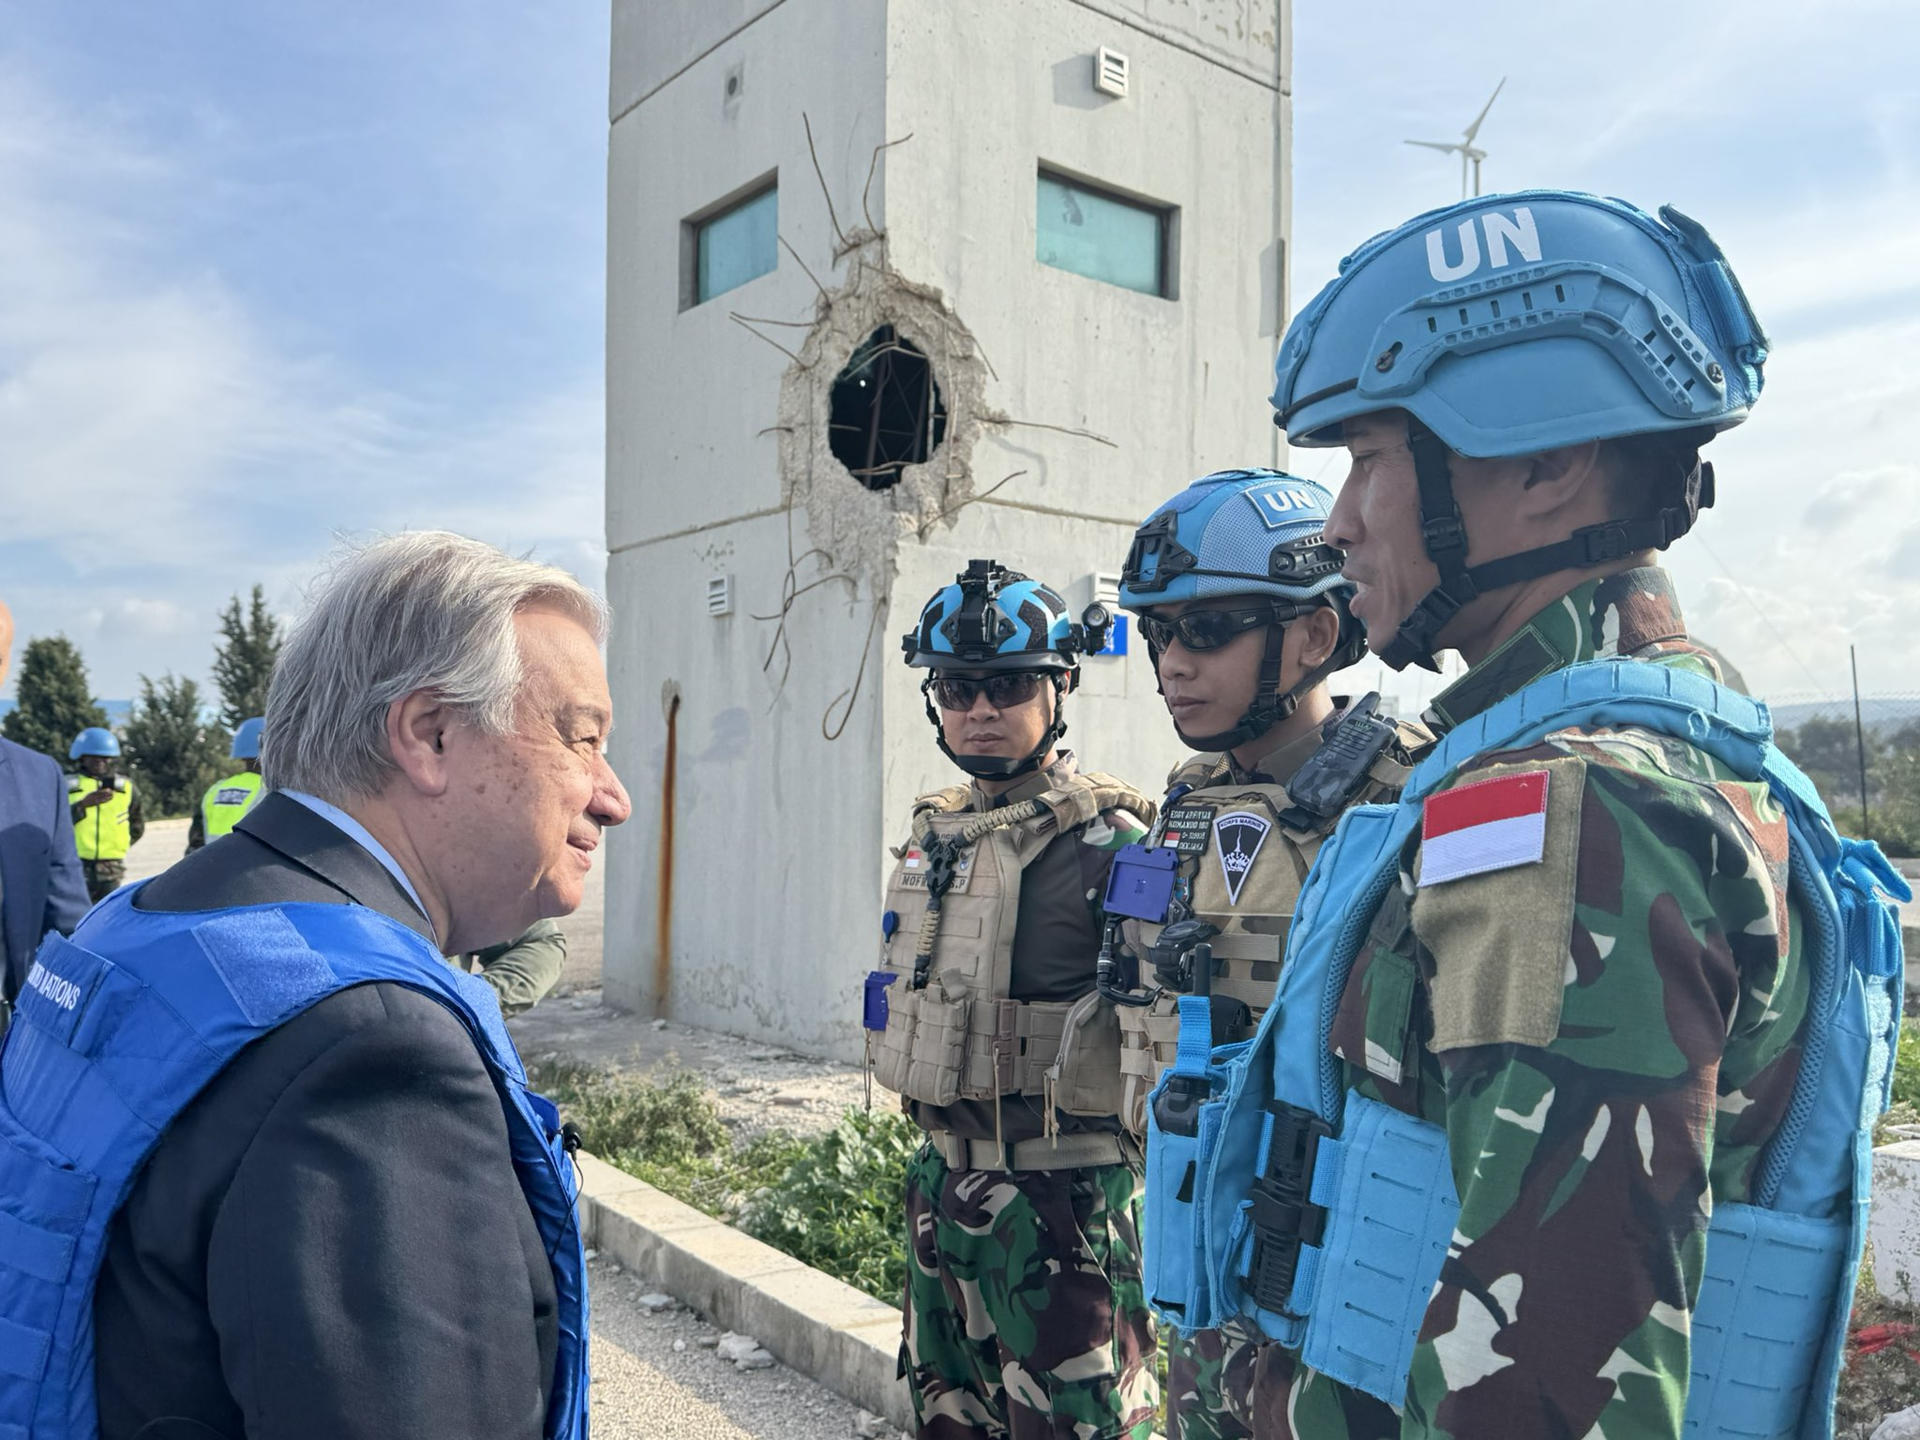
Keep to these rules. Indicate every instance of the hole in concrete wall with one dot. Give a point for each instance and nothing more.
(886, 411)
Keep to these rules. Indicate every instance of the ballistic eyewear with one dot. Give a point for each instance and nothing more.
(1200, 630)
(1003, 691)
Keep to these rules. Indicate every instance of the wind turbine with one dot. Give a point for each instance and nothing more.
(1465, 145)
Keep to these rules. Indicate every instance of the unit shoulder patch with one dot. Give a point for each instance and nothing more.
(1495, 910)
(1240, 834)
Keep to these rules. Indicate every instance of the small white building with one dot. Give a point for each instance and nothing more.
(1025, 280)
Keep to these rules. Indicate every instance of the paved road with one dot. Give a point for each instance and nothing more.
(654, 1379)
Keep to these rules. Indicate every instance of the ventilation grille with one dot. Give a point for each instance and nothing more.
(720, 595)
(1110, 71)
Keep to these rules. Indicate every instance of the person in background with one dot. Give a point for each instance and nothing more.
(106, 811)
(227, 800)
(42, 888)
(521, 971)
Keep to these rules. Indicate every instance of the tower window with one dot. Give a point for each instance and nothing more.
(1103, 236)
(736, 243)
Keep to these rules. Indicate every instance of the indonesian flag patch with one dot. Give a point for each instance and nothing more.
(1488, 825)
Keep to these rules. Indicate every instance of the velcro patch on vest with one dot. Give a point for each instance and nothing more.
(1241, 833)
(913, 871)
(1188, 827)
(231, 795)
(1488, 825)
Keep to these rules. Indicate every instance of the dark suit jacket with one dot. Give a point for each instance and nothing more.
(330, 1240)
(41, 885)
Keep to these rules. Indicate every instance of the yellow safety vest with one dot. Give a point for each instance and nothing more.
(227, 800)
(104, 832)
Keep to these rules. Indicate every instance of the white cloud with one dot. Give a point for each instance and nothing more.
(167, 437)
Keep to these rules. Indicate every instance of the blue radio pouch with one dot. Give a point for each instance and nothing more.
(1140, 884)
(873, 1009)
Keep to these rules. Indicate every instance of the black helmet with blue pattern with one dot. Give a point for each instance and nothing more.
(995, 619)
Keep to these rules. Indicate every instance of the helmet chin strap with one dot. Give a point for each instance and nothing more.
(1270, 705)
(998, 767)
(1445, 537)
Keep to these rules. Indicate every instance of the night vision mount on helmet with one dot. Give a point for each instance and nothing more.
(1512, 324)
(1258, 533)
(995, 619)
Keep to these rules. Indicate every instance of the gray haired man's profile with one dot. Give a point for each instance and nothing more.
(330, 1239)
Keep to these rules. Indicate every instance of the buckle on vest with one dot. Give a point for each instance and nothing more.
(1283, 1217)
(1175, 959)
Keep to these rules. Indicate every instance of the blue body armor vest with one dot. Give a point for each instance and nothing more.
(1319, 1218)
(104, 1052)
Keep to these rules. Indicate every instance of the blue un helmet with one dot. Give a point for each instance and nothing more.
(1511, 324)
(94, 740)
(246, 740)
(992, 618)
(1256, 533)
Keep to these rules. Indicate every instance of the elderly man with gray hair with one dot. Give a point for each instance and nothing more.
(268, 1167)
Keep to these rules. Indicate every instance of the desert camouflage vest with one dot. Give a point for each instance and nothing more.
(1243, 851)
(119, 1028)
(1320, 1218)
(942, 1025)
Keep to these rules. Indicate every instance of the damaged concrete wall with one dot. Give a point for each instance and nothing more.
(1072, 407)
(767, 810)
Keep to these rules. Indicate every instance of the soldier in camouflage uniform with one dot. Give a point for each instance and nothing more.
(1607, 1017)
(1245, 615)
(1024, 1315)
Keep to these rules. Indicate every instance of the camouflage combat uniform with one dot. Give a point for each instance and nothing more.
(1213, 1379)
(1609, 1036)
(1024, 1312)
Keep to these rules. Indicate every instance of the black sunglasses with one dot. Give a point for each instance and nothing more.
(1003, 691)
(1209, 629)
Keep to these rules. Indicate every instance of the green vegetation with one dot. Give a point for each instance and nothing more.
(833, 1201)
(1829, 751)
(174, 753)
(244, 658)
(839, 1205)
(55, 701)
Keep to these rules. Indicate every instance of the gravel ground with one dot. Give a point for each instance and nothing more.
(658, 1375)
(759, 1087)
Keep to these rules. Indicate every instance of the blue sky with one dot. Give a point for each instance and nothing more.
(270, 274)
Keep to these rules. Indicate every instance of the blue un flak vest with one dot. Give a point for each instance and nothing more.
(1367, 1191)
(115, 1033)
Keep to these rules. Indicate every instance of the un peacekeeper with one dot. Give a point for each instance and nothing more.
(1245, 615)
(520, 971)
(227, 800)
(106, 811)
(238, 1108)
(1591, 979)
(1024, 1315)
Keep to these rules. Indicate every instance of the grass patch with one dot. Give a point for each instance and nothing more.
(841, 1204)
(836, 1201)
(668, 1132)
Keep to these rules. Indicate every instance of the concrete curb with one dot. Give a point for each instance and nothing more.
(815, 1324)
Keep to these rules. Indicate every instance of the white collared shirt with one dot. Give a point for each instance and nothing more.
(362, 837)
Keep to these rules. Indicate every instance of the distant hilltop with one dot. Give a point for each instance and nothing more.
(117, 710)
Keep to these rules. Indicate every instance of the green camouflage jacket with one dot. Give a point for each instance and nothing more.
(1609, 1035)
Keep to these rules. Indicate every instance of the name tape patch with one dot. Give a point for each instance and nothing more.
(1489, 825)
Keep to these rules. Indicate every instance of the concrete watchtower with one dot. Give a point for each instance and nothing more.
(1025, 281)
